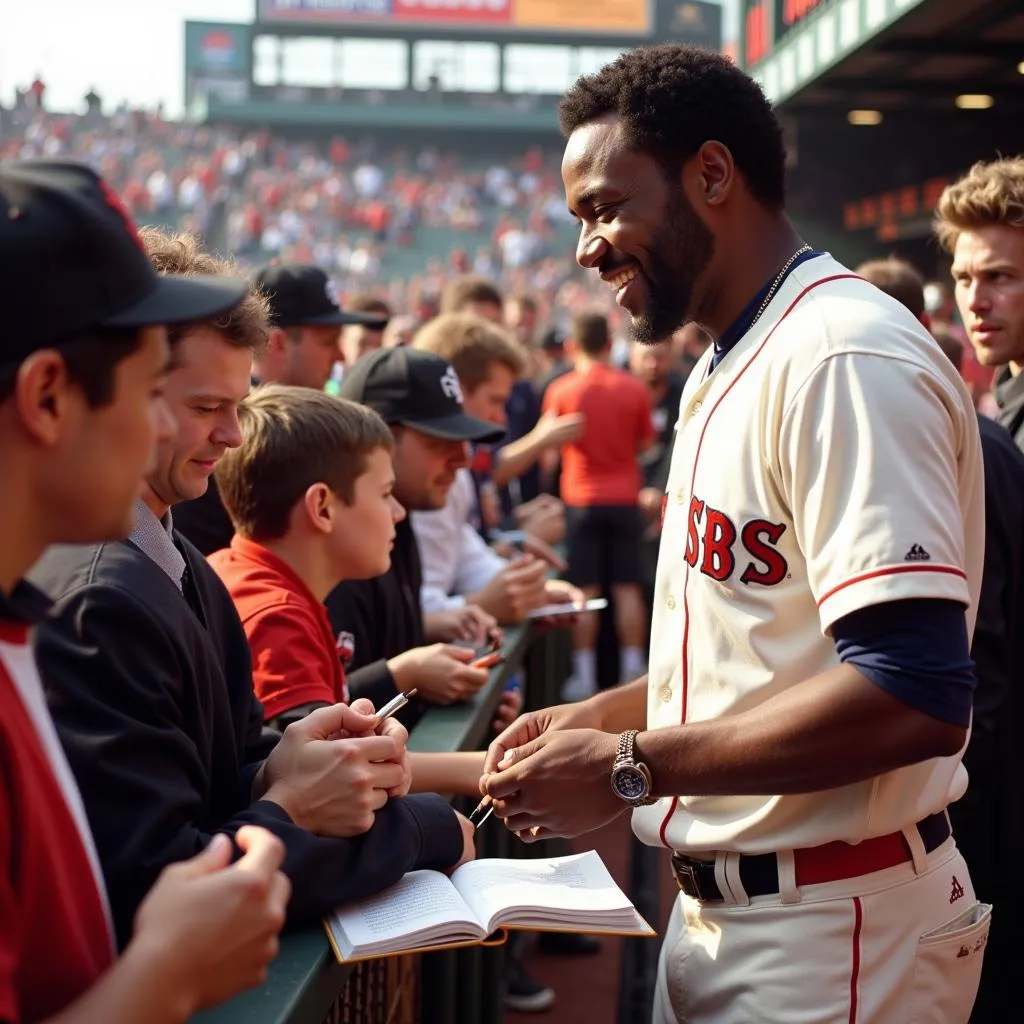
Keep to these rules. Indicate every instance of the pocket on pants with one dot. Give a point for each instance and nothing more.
(947, 968)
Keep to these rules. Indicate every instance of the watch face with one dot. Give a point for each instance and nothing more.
(630, 783)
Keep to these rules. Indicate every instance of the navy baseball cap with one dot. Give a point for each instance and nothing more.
(73, 260)
(303, 295)
(415, 389)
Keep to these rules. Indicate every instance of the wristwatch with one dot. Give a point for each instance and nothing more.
(631, 780)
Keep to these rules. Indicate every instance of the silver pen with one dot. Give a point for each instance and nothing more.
(394, 705)
(481, 812)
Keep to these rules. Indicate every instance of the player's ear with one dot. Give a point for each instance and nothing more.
(716, 173)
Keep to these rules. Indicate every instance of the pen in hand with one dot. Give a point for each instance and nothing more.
(485, 808)
(394, 705)
(481, 812)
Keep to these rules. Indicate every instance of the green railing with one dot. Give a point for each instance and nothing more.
(306, 985)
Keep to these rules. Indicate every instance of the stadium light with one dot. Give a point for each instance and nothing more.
(864, 117)
(974, 101)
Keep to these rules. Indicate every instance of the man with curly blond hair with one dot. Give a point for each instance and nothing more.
(980, 222)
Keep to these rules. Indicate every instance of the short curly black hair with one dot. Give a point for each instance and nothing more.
(674, 98)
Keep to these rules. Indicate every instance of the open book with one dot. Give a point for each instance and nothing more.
(429, 910)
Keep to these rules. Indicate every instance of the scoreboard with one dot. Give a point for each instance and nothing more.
(615, 17)
(427, 55)
(632, 21)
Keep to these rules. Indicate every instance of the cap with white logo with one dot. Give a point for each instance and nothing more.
(415, 389)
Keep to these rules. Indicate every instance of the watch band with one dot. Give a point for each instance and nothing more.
(626, 755)
(627, 746)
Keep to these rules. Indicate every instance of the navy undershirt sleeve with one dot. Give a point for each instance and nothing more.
(917, 650)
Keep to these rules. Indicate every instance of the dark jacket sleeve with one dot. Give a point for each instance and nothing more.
(134, 733)
(349, 607)
(987, 819)
(374, 681)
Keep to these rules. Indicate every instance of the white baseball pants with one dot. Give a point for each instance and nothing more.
(892, 947)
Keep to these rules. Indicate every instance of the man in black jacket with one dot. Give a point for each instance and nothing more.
(149, 679)
(988, 821)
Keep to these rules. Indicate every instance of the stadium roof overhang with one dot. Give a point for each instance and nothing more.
(884, 102)
(897, 56)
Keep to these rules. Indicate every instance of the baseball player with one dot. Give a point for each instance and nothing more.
(799, 735)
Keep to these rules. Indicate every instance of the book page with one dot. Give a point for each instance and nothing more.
(577, 887)
(421, 901)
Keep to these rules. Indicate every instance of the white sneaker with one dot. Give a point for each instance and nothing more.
(574, 689)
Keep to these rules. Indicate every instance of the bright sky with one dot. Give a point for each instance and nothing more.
(125, 49)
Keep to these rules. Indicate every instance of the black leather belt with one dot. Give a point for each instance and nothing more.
(759, 873)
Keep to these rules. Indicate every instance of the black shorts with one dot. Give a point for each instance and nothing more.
(604, 543)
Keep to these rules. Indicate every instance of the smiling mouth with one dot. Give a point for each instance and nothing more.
(622, 277)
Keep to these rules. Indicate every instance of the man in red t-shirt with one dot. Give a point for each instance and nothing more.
(600, 487)
(80, 414)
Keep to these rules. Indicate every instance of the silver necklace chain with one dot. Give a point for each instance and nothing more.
(778, 281)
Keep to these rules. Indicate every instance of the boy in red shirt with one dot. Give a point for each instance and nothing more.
(600, 486)
(80, 414)
(309, 492)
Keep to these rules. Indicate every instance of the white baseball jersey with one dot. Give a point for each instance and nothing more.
(831, 462)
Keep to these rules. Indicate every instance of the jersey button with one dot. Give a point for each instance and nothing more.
(665, 693)
(695, 409)
(681, 495)
(671, 603)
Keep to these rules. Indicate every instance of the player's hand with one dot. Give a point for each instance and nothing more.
(210, 927)
(556, 784)
(469, 624)
(442, 673)
(532, 725)
(330, 786)
(468, 842)
(514, 591)
(508, 710)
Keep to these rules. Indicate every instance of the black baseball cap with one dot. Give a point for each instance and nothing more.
(415, 389)
(551, 340)
(303, 295)
(73, 260)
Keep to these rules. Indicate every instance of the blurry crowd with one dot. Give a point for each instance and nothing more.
(351, 206)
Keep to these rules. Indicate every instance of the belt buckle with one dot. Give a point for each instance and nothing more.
(685, 869)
